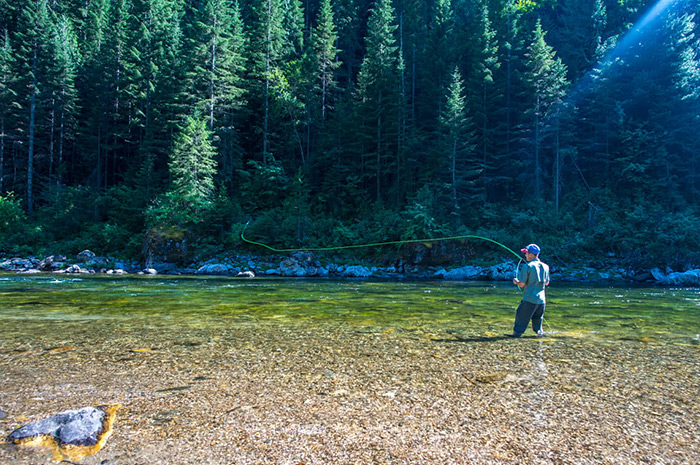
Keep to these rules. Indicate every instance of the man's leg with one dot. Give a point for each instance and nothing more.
(537, 318)
(523, 315)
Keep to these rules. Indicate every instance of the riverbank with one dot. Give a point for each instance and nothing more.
(308, 265)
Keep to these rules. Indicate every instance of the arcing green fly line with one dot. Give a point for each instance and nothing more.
(375, 244)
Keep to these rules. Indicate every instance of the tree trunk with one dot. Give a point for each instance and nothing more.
(454, 171)
(2, 152)
(32, 118)
(211, 82)
(267, 83)
(61, 135)
(51, 136)
(379, 146)
(556, 181)
(537, 148)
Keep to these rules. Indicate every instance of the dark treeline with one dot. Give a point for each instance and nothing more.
(574, 123)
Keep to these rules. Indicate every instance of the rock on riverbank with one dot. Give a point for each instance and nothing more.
(71, 435)
(307, 265)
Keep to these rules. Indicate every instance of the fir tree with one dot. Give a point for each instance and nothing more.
(266, 38)
(34, 52)
(219, 58)
(8, 98)
(487, 101)
(438, 60)
(546, 79)
(458, 143)
(324, 38)
(192, 168)
(66, 65)
(377, 85)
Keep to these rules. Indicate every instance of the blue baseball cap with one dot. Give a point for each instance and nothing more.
(534, 249)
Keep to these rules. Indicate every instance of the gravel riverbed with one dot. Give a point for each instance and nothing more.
(279, 392)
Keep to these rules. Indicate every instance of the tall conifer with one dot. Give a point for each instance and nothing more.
(377, 87)
(546, 80)
(8, 99)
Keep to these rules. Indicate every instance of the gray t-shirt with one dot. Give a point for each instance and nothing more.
(535, 274)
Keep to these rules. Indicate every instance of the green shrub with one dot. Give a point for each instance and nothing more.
(12, 216)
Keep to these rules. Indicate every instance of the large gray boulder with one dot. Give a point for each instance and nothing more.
(686, 278)
(505, 271)
(215, 269)
(19, 264)
(72, 434)
(462, 274)
(300, 264)
(86, 256)
(356, 271)
(51, 263)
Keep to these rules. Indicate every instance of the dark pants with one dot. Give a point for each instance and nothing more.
(528, 311)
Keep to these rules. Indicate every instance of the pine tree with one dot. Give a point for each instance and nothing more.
(487, 101)
(34, 53)
(324, 38)
(377, 86)
(293, 27)
(66, 64)
(508, 82)
(438, 60)
(546, 79)
(266, 38)
(682, 47)
(458, 141)
(120, 73)
(583, 26)
(8, 98)
(192, 168)
(155, 82)
(349, 20)
(220, 61)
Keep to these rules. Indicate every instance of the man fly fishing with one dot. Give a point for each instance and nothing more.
(533, 278)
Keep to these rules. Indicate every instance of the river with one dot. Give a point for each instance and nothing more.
(271, 370)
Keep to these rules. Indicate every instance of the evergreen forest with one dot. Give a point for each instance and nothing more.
(134, 125)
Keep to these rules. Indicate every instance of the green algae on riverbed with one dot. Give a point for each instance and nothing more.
(220, 370)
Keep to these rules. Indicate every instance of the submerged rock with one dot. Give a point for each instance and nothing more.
(70, 435)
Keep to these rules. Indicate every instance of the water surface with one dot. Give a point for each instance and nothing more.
(270, 370)
(466, 309)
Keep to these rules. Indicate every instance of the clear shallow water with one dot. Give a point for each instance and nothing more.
(224, 370)
(460, 309)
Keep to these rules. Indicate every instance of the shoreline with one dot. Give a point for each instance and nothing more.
(306, 265)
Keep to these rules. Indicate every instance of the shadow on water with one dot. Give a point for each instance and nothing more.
(473, 339)
(498, 338)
